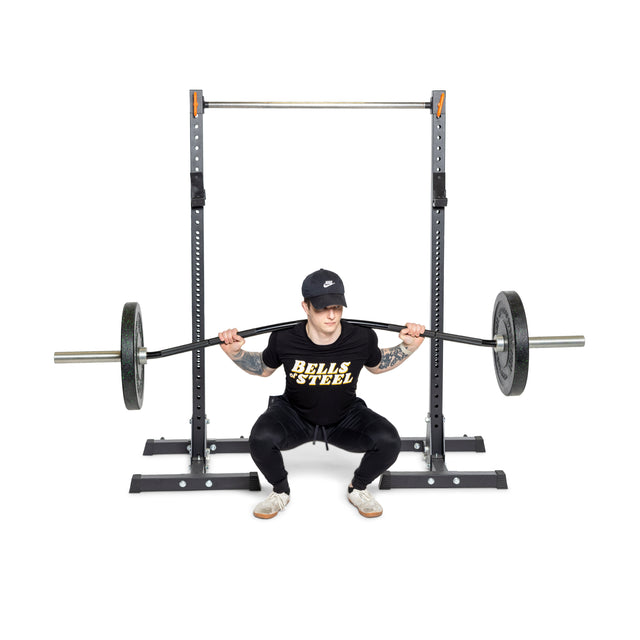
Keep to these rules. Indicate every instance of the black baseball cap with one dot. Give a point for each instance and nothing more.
(323, 289)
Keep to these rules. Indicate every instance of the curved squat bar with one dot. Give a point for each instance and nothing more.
(151, 355)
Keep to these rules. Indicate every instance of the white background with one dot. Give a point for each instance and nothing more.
(541, 176)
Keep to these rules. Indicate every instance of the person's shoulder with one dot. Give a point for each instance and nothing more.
(296, 332)
(300, 327)
(356, 331)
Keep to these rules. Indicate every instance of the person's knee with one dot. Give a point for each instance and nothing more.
(262, 436)
(387, 438)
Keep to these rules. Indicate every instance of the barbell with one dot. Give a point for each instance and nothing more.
(510, 343)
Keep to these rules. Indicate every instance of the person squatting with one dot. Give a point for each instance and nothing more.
(322, 358)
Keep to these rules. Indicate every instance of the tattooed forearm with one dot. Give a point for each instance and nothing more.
(250, 361)
(391, 358)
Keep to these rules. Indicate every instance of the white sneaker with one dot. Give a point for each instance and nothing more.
(269, 507)
(365, 503)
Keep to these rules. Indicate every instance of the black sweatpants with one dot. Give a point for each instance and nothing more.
(281, 428)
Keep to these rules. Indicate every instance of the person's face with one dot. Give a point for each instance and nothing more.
(326, 321)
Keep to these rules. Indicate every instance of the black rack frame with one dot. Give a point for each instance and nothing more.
(433, 446)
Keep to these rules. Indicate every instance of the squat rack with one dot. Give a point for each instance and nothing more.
(433, 446)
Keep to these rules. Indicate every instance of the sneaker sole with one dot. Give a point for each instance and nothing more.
(375, 514)
(265, 516)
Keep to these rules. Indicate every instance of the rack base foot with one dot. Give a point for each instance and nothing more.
(443, 479)
(195, 482)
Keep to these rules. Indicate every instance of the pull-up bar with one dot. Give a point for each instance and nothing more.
(317, 105)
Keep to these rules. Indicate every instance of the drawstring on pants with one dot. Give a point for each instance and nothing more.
(324, 433)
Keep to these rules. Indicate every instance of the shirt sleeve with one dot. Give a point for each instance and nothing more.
(374, 355)
(270, 355)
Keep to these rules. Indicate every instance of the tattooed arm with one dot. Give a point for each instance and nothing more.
(249, 361)
(395, 356)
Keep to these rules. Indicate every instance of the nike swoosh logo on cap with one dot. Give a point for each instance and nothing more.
(328, 283)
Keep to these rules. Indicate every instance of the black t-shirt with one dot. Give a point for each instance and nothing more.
(322, 379)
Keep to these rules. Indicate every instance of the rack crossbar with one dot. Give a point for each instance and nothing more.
(317, 105)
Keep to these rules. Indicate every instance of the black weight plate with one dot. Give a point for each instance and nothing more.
(131, 341)
(512, 364)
